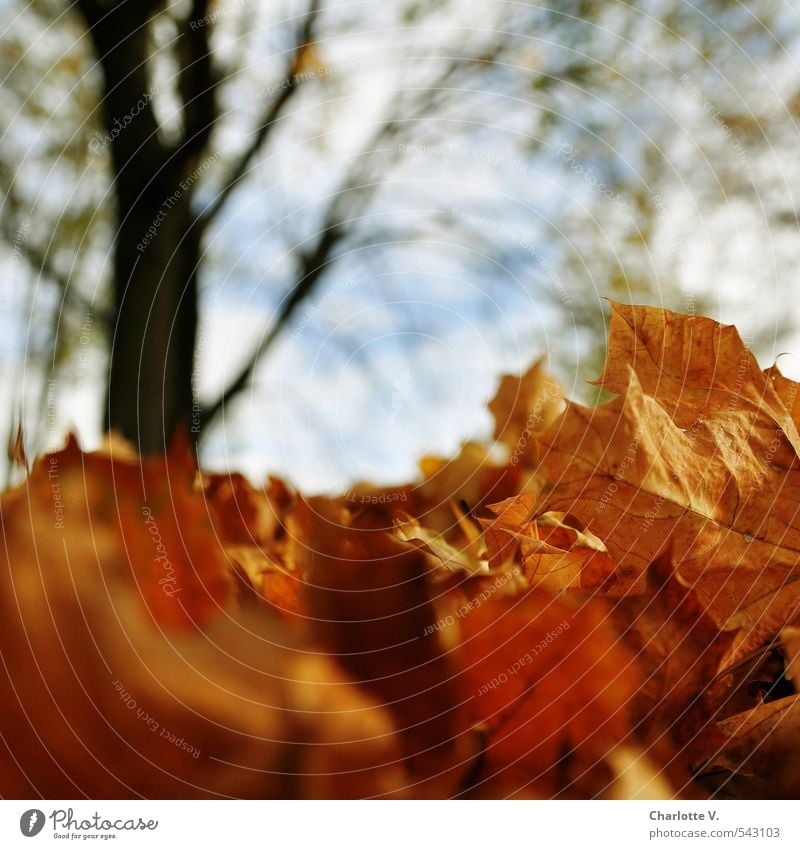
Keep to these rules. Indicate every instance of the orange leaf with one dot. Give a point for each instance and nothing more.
(548, 678)
(698, 452)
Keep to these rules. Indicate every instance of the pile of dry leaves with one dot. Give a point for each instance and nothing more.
(606, 607)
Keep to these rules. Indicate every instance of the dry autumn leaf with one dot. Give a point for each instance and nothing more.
(697, 452)
(758, 760)
(107, 693)
(369, 595)
(552, 685)
(679, 651)
(523, 406)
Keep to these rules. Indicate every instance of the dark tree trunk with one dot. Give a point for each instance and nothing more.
(156, 245)
(155, 290)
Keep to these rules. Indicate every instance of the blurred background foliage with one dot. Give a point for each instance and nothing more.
(457, 187)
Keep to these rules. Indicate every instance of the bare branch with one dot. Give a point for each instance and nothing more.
(313, 267)
(197, 82)
(355, 193)
(274, 112)
(119, 33)
(42, 266)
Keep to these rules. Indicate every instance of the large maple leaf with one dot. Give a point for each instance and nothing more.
(698, 452)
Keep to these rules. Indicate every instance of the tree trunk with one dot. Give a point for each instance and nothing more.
(157, 243)
(157, 246)
(156, 257)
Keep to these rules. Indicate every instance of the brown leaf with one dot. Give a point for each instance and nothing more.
(523, 406)
(787, 390)
(551, 683)
(243, 515)
(691, 365)
(679, 649)
(368, 593)
(760, 759)
(102, 700)
(698, 452)
(475, 477)
(440, 554)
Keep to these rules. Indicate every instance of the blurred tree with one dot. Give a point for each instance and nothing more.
(151, 53)
(548, 156)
